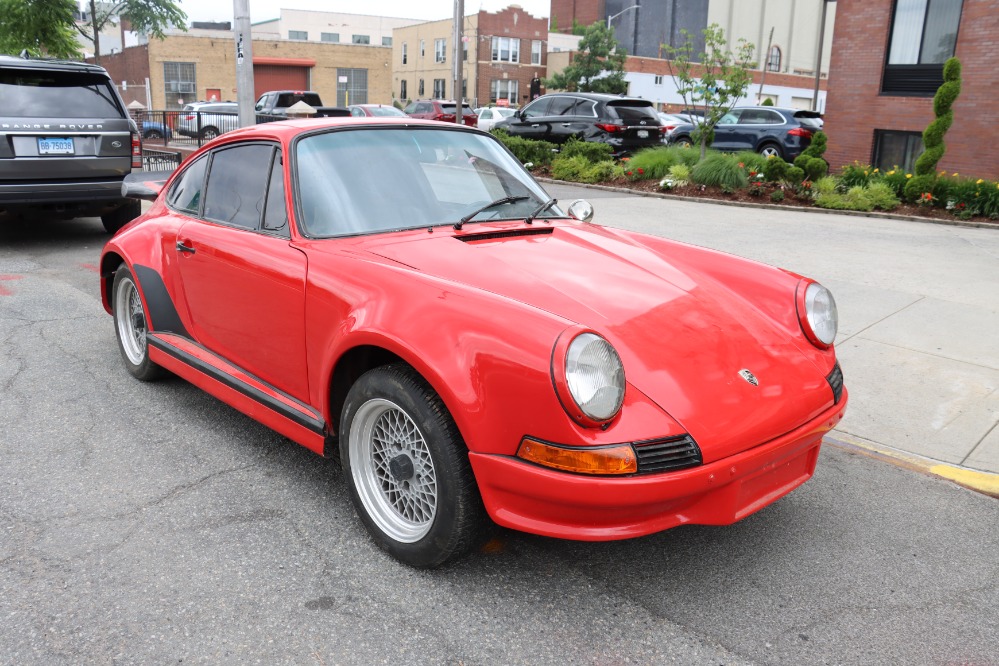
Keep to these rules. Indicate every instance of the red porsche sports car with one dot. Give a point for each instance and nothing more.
(402, 294)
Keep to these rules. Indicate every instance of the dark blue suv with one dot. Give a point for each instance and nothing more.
(766, 130)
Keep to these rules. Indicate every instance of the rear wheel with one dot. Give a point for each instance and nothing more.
(771, 150)
(153, 134)
(683, 142)
(209, 133)
(121, 216)
(407, 468)
(130, 327)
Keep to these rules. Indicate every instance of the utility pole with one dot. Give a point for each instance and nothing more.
(818, 56)
(244, 62)
(459, 51)
(766, 65)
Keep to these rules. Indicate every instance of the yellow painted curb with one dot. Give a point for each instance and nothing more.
(973, 479)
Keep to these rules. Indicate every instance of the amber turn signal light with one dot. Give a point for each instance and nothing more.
(619, 459)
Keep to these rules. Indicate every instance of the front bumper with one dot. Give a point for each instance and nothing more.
(542, 501)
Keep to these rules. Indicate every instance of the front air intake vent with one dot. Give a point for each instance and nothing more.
(835, 380)
(667, 455)
(497, 235)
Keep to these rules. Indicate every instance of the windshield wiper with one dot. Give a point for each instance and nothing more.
(498, 202)
(540, 209)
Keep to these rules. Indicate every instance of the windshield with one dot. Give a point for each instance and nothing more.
(370, 180)
(29, 94)
(385, 111)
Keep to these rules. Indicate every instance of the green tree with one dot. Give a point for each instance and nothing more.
(933, 135)
(715, 79)
(598, 66)
(42, 27)
(149, 17)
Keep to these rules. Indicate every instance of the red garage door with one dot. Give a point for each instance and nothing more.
(280, 74)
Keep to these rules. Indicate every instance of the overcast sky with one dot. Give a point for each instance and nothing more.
(262, 10)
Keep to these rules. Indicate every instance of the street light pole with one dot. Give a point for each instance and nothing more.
(244, 62)
(611, 18)
(459, 51)
(818, 56)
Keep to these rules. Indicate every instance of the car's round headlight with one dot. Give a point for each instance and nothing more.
(594, 376)
(820, 319)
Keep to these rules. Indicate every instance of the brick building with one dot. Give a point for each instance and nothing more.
(189, 67)
(887, 62)
(503, 52)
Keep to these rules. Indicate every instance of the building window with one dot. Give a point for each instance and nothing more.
(439, 91)
(420, 93)
(423, 51)
(360, 39)
(386, 41)
(659, 80)
(330, 37)
(403, 93)
(179, 84)
(536, 52)
(896, 149)
(405, 57)
(298, 34)
(503, 89)
(773, 60)
(506, 49)
(355, 89)
(923, 36)
(440, 50)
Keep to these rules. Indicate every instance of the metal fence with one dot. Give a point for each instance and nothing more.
(159, 160)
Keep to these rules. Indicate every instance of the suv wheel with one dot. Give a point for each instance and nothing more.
(121, 216)
(209, 133)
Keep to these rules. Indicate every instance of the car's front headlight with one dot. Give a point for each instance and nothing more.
(589, 377)
(817, 313)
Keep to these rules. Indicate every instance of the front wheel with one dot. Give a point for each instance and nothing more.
(683, 142)
(209, 133)
(407, 468)
(130, 327)
(153, 134)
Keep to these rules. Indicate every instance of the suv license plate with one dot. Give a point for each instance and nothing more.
(643, 134)
(55, 146)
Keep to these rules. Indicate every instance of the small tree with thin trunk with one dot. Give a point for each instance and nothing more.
(722, 82)
(149, 17)
(598, 66)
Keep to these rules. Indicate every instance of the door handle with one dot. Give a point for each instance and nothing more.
(184, 248)
(535, 125)
(565, 124)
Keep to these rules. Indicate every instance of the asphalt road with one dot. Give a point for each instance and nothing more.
(150, 523)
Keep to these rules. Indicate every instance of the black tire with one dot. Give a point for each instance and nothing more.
(399, 445)
(121, 216)
(209, 133)
(683, 142)
(770, 148)
(153, 134)
(130, 327)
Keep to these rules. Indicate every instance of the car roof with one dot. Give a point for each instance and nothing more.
(597, 97)
(50, 63)
(289, 129)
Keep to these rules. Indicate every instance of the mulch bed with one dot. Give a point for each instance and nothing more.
(790, 199)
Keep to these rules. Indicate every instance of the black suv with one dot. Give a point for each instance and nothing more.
(626, 124)
(66, 141)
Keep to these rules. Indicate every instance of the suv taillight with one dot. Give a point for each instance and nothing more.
(800, 131)
(610, 128)
(136, 152)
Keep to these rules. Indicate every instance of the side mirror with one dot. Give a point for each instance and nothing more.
(581, 210)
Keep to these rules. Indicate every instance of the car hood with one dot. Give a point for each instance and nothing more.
(683, 337)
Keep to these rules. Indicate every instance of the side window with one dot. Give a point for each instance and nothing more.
(276, 213)
(237, 183)
(185, 194)
(537, 109)
(730, 118)
(357, 113)
(561, 106)
(773, 118)
(585, 107)
(411, 109)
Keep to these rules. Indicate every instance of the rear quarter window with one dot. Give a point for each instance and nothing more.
(32, 94)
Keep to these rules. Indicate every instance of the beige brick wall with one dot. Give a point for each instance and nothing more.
(215, 61)
(424, 67)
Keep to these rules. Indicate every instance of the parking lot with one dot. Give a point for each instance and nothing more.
(146, 523)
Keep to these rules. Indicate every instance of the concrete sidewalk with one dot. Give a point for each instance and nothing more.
(919, 317)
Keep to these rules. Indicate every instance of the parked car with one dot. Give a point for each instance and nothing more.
(66, 142)
(206, 120)
(152, 129)
(626, 124)
(768, 130)
(444, 111)
(488, 117)
(375, 111)
(670, 121)
(274, 105)
(464, 346)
